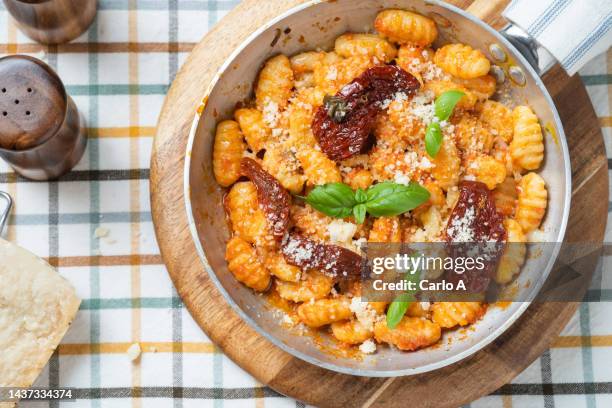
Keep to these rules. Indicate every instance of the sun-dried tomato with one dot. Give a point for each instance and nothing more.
(475, 229)
(273, 199)
(475, 217)
(333, 260)
(343, 124)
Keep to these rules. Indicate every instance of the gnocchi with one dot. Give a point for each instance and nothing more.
(462, 61)
(411, 333)
(369, 45)
(483, 141)
(451, 314)
(227, 153)
(527, 146)
(532, 201)
(403, 26)
(255, 130)
(513, 257)
(243, 263)
(275, 83)
(324, 311)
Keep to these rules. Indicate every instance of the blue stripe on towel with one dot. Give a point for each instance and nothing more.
(553, 10)
(585, 45)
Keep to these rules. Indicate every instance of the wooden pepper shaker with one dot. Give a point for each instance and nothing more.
(42, 134)
(52, 21)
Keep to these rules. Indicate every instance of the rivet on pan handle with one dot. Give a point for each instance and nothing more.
(6, 210)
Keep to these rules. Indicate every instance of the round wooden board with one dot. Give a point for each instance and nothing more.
(452, 386)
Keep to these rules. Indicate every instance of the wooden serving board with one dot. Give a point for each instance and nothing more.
(452, 386)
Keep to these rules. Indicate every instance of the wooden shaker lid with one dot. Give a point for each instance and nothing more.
(33, 102)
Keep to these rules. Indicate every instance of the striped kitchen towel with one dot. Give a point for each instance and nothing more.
(573, 31)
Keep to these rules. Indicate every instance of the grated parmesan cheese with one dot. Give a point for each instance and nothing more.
(364, 312)
(401, 178)
(270, 113)
(299, 253)
(367, 347)
(134, 352)
(461, 228)
(340, 231)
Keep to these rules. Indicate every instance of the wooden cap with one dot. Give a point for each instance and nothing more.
(32, 102)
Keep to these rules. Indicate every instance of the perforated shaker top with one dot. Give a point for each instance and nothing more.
(32, 102)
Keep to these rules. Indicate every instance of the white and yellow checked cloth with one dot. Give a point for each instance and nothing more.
(118, 73)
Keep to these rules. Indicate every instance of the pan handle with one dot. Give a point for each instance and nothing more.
(4, 212)
(538, 57)
(570, 32)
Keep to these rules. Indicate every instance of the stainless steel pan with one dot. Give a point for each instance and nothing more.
(316, 22)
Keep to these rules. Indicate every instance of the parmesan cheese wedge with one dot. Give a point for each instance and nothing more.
(37, 306)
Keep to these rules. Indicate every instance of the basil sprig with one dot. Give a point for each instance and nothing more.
(443, 109)
(338, 200)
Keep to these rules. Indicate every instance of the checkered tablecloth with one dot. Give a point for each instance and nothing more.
(118, 73)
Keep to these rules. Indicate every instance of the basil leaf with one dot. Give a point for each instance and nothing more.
(433, 139)
(397, 309)
(333, 199)
(388, 198)
(359, 211)
(446, 102)
(361, 196)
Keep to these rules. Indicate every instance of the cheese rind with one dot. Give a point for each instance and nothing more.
(37, 306)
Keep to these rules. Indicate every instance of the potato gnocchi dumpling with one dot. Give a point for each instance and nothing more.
(275, 83)
(253, 128)
(487, 170)
(532, 201)
(243, 263)
(386, 229)
(278, 266)
(358, 178)
(473, 136)
(440, 86)
(247, 219)
(324, 311)
(485, 141)
(368, 45)
(505, 197)
(351, 332)
(514, 255)
(280, 162)
(227, 152)
(446, 165)
(451, 314)
(462, 61)
(313, 285)
(306, 61)
(406, 27)
(318, 168)
(483, 87)
(411, 333)
(499, 119)
(527, 147)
